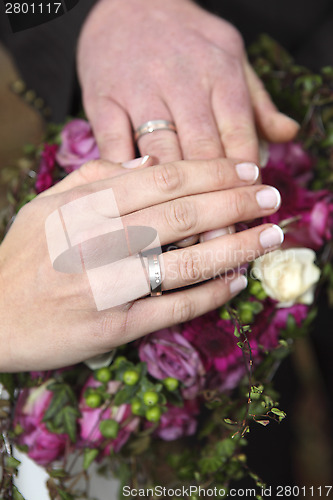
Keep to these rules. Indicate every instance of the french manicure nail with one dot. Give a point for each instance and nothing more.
(137, 162)
(247, 171)
(271, 237)
(268, 198)
(238, 284)
(215, 233)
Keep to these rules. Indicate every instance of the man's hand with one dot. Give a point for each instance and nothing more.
(142, 60)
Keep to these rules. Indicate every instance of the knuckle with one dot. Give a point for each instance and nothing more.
(208, 147)
(218, 172)
(168, 177)
(239, 135)
(181, 216)
(239, 204)
(237, 41)
(183, 310)
(91, 169)
(235, 69)
(190, 266)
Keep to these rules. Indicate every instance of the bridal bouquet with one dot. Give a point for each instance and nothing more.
(173, 409)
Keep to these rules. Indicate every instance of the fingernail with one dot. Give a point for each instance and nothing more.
(247, 171)
(137, 162)
(268, 198)
(271, 237)
(186, 242)
(238, 284)
(215, 233)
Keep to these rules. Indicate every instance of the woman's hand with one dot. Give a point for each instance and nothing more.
(51, 319)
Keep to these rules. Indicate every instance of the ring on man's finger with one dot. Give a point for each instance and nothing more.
(152, 126)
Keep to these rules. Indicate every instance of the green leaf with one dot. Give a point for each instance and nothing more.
(262, 422)
(226, 447)
(89, 456)
(57, 473)
(209, 465)
(70, 416)
(64, 495)
(8, 381)
(11, 462)
(16, 494)
(230, 422)
(281, 414)
(59, 400)
(125, 395)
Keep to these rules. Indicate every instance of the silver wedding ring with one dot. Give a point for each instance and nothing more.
(155, 275)
(152, 126)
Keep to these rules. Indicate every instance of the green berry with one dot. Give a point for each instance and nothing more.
(109, 428)
(246, 314)
(150, 398)
(103, 375)
(93, 400)
(261, 295)
(224, 314)
(118, 361)
(171, 383)
(130, 377)
(153, 414)
(255, 287)
(136, 407)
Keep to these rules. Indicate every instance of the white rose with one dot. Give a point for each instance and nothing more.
(288, 276)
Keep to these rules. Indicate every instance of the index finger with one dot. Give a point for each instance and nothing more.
(161, 183)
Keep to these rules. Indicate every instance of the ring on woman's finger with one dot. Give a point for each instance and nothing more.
(152, 126)
(155, 275)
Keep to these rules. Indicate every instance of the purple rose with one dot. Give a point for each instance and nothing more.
(292, 158)
(168, 354)
(78, 145)
(313, 210)
(46, 167)
(44, 446)
(214, 339)
(178, 422)
(272, 320)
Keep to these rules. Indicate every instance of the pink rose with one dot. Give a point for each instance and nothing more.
(90, 434)
(178, 422)
(44, 446)
(78, 145)
(46, 167)
(168, 354)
